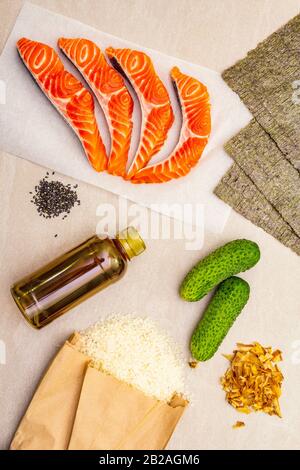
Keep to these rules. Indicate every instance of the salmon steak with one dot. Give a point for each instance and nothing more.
(71, 99)
(157, 113)
(110, 90)
(195, 130)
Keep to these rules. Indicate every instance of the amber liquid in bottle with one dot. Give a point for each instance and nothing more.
(75, 276)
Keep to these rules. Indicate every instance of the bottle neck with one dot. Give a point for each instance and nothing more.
(121, 249)
(131, 242)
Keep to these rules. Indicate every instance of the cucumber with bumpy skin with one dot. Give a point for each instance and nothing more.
(227, 303)
(234, 257)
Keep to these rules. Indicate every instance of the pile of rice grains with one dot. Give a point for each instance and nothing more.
(253, 380)
(134, 350)
(52, 198)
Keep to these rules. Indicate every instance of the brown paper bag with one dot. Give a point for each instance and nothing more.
(48, 421)
(113, 415)
(108, 413)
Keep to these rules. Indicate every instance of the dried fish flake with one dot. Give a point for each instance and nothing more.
(193, 364)
(253, 380)
(239, 424)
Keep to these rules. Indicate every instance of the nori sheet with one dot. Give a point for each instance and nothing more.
(260, 158)
(237, 190)
(264, 80)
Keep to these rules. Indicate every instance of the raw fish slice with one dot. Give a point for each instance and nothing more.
(157, 114)
(111, 92)
(74, 102)
(195, 130)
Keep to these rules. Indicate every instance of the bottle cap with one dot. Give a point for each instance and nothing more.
(131, 241)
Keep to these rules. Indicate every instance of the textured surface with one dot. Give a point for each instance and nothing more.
(111, 92)
(157, 114)
(219, 33)
(227, 303)
(260, 158)
(265, 82)
(74, 102)
(268, 149)
(195, 130)
(137, 351)
(233, 258)
(238, 190)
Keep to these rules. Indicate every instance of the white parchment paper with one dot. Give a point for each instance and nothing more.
(32, 129)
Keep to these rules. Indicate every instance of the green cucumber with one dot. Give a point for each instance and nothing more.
(234, 257)
(227, 303)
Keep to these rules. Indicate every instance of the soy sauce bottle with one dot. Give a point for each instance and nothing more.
(75, 276)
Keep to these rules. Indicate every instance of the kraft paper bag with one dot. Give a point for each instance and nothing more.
(78, 407)
(48, 421)
(113, 415)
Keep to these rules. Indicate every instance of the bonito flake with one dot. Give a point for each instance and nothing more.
(253, 380)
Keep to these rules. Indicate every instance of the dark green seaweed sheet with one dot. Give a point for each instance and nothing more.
(260, 158)
(264, 80)
(237, 190)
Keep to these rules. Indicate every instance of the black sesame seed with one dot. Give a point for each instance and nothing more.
(53, 198)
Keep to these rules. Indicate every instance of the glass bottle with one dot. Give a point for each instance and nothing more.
(75, 276)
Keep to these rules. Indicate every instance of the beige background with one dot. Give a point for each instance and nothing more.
(214, 34)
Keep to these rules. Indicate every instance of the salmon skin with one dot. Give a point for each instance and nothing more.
(157, 113)
(196, 125)
(110, 90)
(74, 102)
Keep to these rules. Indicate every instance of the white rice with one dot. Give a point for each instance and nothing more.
(135, 351)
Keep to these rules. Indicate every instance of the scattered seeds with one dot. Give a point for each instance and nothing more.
(238, 424)
(53, 198)
(253, 380)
